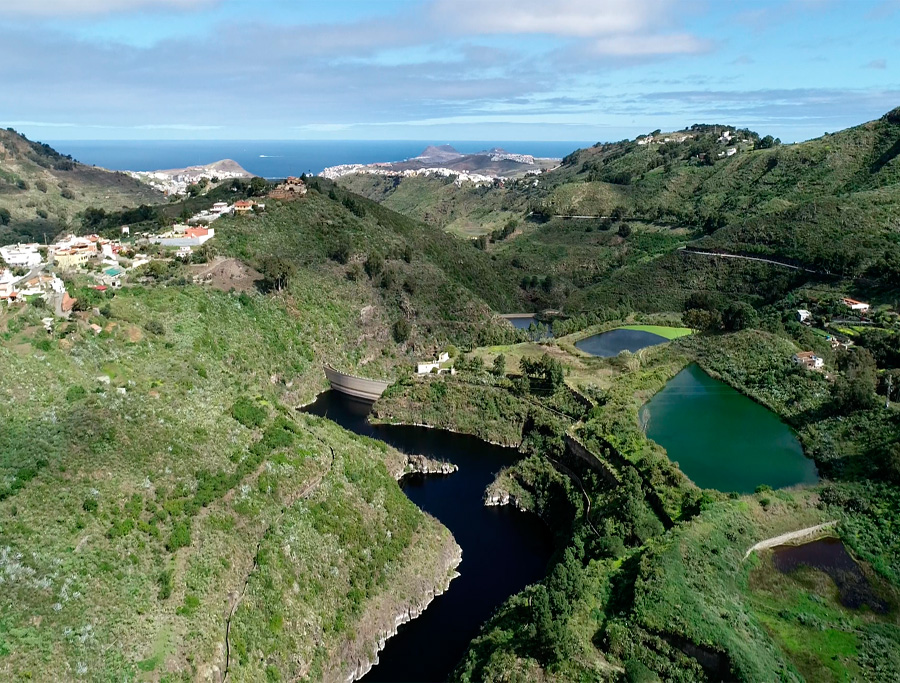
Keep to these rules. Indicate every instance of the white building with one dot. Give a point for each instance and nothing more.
(855, 305)
(809, 360)
(21, 255)
(192, 237)
(7, 280)
(803, 315)
(433, 365)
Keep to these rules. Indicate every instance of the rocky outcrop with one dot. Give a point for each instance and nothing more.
(419, 464)
(497, 495)
(360, 656)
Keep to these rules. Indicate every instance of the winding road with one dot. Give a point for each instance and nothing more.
(749, 258)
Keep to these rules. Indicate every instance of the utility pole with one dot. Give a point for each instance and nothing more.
(887, 400)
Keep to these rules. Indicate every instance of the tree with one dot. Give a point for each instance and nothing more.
(277, 271)
(854, 388)
(623, 230)
(738, 316)
(766, 142)
(374, 264)
(258, 186)
(852, 393)
(892, 463)
(542, 618)
(545, 375)
(5, 216)
(341, 252)
(401, 330)
(705, 300)
(702, 320)
(499, 366)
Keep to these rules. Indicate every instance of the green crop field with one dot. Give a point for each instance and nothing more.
(667, 332)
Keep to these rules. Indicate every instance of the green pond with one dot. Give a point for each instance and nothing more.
(721, 439)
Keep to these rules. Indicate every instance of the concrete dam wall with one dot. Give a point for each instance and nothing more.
(358, 387)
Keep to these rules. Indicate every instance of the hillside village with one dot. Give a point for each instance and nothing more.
(178, 182)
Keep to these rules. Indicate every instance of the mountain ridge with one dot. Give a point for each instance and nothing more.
(43, 191)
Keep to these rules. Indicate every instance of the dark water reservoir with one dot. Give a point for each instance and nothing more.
(612, 343)
(522, 323)
(721, 439)
(525, 323)
(503, 550)
(830, 556)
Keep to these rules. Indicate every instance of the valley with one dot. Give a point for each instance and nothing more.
(706, 356)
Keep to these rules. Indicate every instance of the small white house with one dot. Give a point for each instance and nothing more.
(809, 360)
(803, 315)
(855, 305)
(425, 368)
(731, 151)
(433, 365)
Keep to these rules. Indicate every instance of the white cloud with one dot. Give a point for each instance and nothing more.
(59, 8)
(619, 28)
(876, 64)
(570, 18)
(649, 46)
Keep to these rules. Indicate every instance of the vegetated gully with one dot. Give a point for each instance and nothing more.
(504, 550)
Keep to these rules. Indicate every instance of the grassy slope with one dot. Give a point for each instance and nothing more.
(445, 290)
(827, 203)
(466, 211)
(667, 332)
(102, 487)
(35, 166)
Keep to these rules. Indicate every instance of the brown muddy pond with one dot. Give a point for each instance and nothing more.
(830, 556)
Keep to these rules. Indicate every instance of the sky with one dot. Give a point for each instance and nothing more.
(442, 69)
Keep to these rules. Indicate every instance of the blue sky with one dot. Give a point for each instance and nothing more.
(443, 69)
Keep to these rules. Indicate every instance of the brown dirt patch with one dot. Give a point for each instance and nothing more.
(226, 274)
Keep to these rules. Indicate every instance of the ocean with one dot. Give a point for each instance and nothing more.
(277, 158)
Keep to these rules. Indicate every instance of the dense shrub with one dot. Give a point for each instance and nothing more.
(249, 413)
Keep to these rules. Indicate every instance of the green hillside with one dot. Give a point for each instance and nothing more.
(440, 286)
(155, 480)
(42, 192)
(828, 204)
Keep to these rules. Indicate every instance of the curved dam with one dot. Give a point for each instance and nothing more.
(358, 387)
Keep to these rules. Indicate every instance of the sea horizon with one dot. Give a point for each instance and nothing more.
(281, 158)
